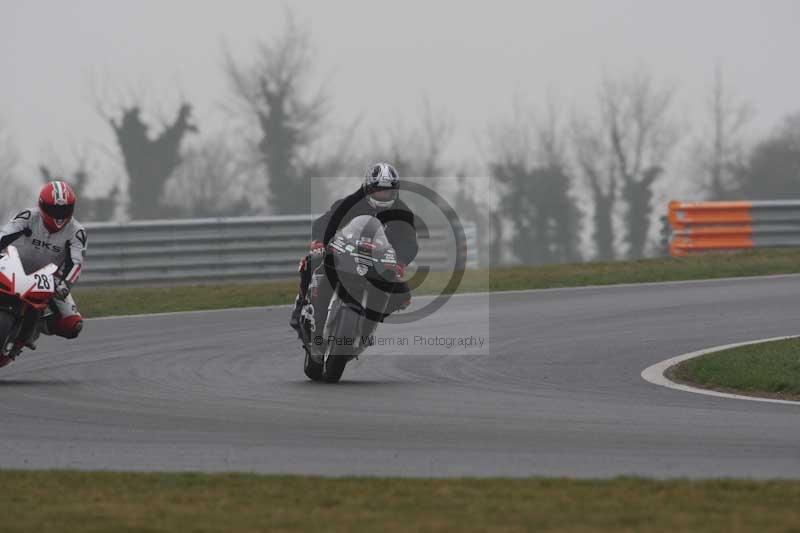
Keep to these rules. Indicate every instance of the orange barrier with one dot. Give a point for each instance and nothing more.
(710, 226)
(716, 226)
(682, 214)
(682, 246)
(699, 232)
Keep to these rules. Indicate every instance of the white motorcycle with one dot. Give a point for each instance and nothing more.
(24, 300)
(359, 270)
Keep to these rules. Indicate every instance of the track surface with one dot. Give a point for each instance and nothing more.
(558, 394)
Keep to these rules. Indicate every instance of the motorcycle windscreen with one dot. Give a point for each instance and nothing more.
(365, 228)
(363, 244)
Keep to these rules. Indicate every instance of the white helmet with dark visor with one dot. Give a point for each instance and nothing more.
(381, 185)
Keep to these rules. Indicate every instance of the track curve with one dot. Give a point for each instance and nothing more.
(559, 392)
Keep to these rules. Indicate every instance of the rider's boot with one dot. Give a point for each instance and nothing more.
(31, 342)
(43, 327)
(16, 349)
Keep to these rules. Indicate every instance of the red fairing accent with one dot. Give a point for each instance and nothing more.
(36, 299)
(67, 326)
(7, 285)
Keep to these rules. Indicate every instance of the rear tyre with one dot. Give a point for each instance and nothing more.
(337, 356)
(312, 369)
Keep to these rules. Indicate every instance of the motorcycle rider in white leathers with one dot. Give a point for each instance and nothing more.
(52, 235)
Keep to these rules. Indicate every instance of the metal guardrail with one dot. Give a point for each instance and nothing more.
(164, 251)
(718, 226)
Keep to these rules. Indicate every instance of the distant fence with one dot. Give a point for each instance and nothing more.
(165, 251)
(717, 226)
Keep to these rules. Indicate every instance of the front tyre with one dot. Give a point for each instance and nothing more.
(312, 369)
(7, 322)
(339, 353)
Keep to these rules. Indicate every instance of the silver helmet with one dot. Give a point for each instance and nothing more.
(381, 185)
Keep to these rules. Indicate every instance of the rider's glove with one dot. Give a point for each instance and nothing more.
(61, 289)
(317, 248)
(400, 270)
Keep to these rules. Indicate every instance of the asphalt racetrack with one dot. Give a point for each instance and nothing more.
(557, 392)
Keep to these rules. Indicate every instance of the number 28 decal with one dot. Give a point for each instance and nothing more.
(42, 282)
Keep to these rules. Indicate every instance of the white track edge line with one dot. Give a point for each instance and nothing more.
(655, 374)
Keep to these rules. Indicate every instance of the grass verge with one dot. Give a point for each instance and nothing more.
(770, 369)
(117, 502)
(132, 300)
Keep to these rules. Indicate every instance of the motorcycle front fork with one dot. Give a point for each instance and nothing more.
(25, 328)
(28, 323)
(11, 344)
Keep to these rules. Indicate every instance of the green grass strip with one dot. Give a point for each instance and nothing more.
(95, 302)
(57, 501)
(768, 369)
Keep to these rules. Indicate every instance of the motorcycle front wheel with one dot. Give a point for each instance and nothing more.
(312, 369)
(7, 323)
(338, 354)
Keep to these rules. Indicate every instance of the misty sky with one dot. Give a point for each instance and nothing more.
(470, 58)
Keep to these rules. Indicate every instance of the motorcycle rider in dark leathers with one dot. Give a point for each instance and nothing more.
(378, 196)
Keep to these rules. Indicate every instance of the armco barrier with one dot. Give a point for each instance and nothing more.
(164, 251)
(717, 226)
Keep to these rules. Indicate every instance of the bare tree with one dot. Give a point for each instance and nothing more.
(528, 160)
(556, 194)
(416, 149)
(772, 168)
(149, 158)
(15, 194)
(419, 151)
(719, 153)
(640, 132)
(600, 172)
(149, 162)
(471, 203)
(274, 91)
(211, 181)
